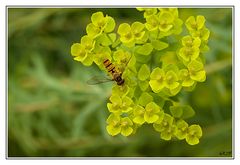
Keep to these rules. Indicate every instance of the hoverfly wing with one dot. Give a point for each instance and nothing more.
(98, 80)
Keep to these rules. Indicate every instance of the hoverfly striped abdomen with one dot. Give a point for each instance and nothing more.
(109, 66)
(116, 75)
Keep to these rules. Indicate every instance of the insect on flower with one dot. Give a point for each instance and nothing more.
(117, 76)
(111, 68)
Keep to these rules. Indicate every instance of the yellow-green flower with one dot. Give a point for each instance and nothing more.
(139, 112)
(78, 51)
(189, 53)
(157, 78)
(121, 58)
(196, 71)
(100, 55)
(165, 127)
(122, 90)
(168, 133)
(185, 78)
(152, 23)
(164, 123)
(119, 104)
(173, 11)
(165, 21)
(195, 24)
(148, 11)
(100, 24)
(194, 134)
(171, 80)
(189, 41)
(182, 129)
(114, 124)
(203, 34)
(129, 35)
(151, 112)
(83, 52)
(126, 126)
(117, 125)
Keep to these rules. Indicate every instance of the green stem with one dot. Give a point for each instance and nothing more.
(219, 65)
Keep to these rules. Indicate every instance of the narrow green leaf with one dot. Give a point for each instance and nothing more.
(146, 49)
(159, 45)
(104, 40)
(143, 72)
(113, 37)
(182, 111)
(187, 111)
(145, 98)
(143, 85)
(176, 111)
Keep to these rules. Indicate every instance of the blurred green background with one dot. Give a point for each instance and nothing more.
(53, 112)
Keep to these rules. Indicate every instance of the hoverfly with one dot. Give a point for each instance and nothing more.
(116, 75)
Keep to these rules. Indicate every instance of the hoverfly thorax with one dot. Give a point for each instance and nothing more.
(118, 78)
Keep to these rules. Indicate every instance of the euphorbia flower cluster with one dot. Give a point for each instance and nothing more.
(155, 66)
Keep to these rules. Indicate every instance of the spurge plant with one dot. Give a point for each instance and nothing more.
(157, 60)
